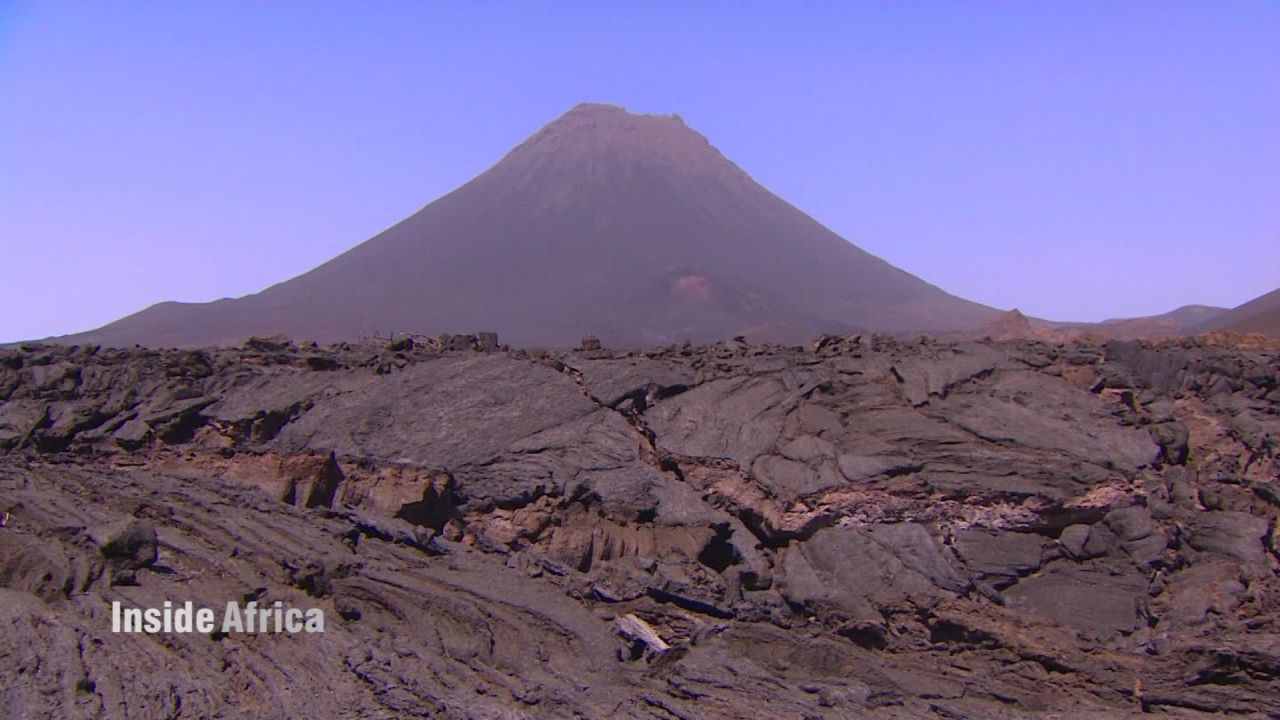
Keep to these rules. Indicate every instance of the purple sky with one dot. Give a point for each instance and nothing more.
(1077, 160)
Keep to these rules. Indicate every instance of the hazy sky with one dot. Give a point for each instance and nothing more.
(1077, 160)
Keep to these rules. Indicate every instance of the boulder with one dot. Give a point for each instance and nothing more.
(132, 435)
(1148, 552)
(1073, 539)
(127, 545)
(1233, 534)
(1172, 438)
(1131, 523)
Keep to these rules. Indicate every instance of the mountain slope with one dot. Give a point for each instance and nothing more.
(632, 227)
(1175, 323)
(1260, 315)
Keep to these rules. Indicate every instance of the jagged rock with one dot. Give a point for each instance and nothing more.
(474, 525)
(317, 577)
(132, 435)
(19, 419)
(127, 545)
(1172, 437)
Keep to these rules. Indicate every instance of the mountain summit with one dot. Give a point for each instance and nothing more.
(631, 227)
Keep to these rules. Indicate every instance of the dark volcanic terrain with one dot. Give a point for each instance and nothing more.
(632, 227)
(860, 528)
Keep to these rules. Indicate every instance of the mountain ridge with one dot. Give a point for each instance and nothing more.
(1259, 315)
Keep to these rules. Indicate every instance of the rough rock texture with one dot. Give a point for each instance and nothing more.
(857, 528)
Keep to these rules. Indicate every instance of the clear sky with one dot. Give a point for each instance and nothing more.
(1077, 160)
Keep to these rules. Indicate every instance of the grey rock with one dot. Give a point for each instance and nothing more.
(1181, 492)
(133, 434)
(1073, 539)
(1092, 600)
(1131, 523)
(1148, 551)
(1101, 542)
(861, 571)
(1233, 534)
(806, 529)
(738, 419)
(1172, 437)
(127, 545)
(859, 468)
(1062, 419)
(999, 558)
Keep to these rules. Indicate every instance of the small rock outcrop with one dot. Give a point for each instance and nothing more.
(127, 545)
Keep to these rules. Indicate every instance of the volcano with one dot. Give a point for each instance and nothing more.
(631, 227)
